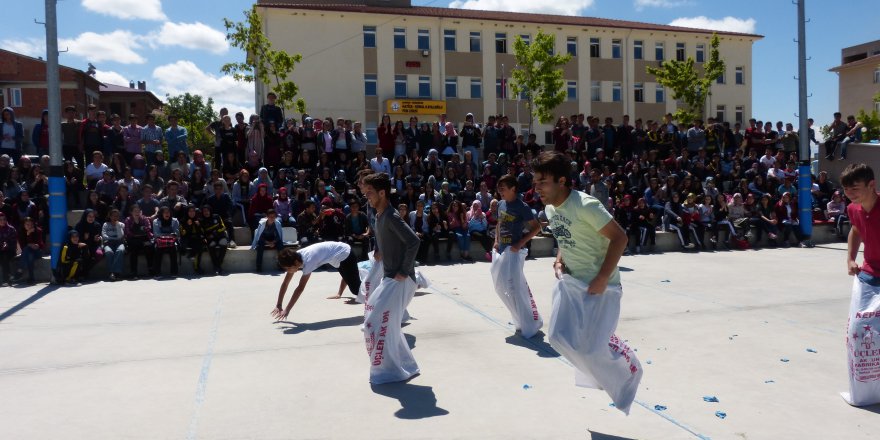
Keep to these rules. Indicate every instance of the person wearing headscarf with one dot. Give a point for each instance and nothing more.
(166, 233)
(73, 259)
(478, 227)
(260, 203)
(89, 230)
(8, 246)
(216, 237)
(449, 142)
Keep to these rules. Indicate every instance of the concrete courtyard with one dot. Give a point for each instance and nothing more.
(202, 358)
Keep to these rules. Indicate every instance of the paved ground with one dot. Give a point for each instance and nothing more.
(203, 359)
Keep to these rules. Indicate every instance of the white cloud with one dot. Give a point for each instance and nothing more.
(554, 7)
(184, 76)
(726, 24)
(642, 4)
(127, 9)
(191, 36)
(111, 77)
(116, 46)
(32, 47)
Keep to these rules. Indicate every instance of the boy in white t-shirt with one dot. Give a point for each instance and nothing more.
(308, 260)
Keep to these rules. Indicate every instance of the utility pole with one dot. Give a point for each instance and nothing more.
(805, 183)
(57, 187)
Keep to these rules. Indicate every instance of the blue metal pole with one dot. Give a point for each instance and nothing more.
(805, 183)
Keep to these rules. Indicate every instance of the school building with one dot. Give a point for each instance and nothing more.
(364, 58)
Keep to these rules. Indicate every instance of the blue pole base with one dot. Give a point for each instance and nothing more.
(57, 217)
(805, 199)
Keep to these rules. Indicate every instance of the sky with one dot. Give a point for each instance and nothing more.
(179, 46)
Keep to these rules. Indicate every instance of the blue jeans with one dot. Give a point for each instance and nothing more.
(868, 279)
(844, 143)
(28, 256)
(261, 246)
(115, 255)
(463, 239)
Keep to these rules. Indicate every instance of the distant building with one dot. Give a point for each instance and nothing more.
(23, 87)
(859, 78)
(124, 101)
(365, 58)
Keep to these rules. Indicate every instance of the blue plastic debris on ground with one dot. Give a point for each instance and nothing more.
(648, 362)
(811, 350)
(710, 399)
(612, 405)
(783, 360)
(659, 407)
(527, 386)
(665, 281)
(720, 414)
(769, 381)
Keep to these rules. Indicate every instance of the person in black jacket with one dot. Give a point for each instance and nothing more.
(216, 237)
(192, 237)
(270, 112)
(357, 229)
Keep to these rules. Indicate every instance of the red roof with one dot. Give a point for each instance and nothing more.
(470, 14)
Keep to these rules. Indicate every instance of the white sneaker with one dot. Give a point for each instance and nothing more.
(232, 244)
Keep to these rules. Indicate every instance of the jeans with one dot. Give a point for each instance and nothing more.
(115, 255)
(28, 256)
(464, 240)
(261, 246)
(845, 143)
(868, 279)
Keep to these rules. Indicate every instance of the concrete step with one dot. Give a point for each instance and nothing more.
(243, 259)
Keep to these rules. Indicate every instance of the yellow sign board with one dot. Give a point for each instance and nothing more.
(414, 107)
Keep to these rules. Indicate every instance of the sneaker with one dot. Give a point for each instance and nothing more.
(638, 249)
(689, 246)
(232, 244)
(772, 236)
(804, 245)
(842, 157)
(112, 277)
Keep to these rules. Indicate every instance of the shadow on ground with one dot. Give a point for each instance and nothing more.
(322, 325)
(535, 343)
(30, 300)
(599, 436)
(416, 401)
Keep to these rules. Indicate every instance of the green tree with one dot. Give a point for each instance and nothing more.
(271, 67)
(538, 76)
(194, 113)
(687, 84)
(871, 123)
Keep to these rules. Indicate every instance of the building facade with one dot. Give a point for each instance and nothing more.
(859, 78)
(374, 57)
(125, 101)
(23, 87)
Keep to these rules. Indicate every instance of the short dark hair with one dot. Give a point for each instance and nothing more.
(270, 211)
(554, 164)
(507, 180)
(379, 182)
(855, 173)
(287, 257)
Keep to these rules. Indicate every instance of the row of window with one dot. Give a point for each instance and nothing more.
(423, 42)
(476, 89)
(738, 117)
(14, 99)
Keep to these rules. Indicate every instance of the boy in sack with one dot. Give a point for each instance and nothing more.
(863, 329)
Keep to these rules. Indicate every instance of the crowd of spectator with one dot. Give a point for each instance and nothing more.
(144, 190)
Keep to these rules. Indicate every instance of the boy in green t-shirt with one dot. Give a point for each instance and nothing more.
(590, 246)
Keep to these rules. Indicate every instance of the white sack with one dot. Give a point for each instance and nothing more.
(391, 360)
(513, 289)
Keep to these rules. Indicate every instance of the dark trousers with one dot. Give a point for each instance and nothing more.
(363, 242)
(348, 269)
(157, 259)
(436, 240)
(485, 240)
(217, 252)
(6, 258)
(135, 248)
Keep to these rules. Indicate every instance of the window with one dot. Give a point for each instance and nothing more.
(594, 48)
(572, 90)
(424, 40)
(638, 49)
(720, 111)
(16, 97)
(500, 89)
(500, 42)
(451, 87)
(523, 94)
(615, 48)
(639, 92)
(595, 91)
(476, 45)
(526, 38)
(400, 86)
(615, 92)
(659, 94)
(680, 53)
(571, 46)
(369, 36)
(424, 87)
(399, 38)
(877, 106)
(740, 75)
(740, 114)
(877, 76)
(476, 88)
(659, 51)
(701, 53)
(449, 40)
(722, 79)
(372, 134)
(370, 86)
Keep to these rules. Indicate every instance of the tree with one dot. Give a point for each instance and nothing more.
(194, 113)
(538, 76)
(261, 62)
(686, 83)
